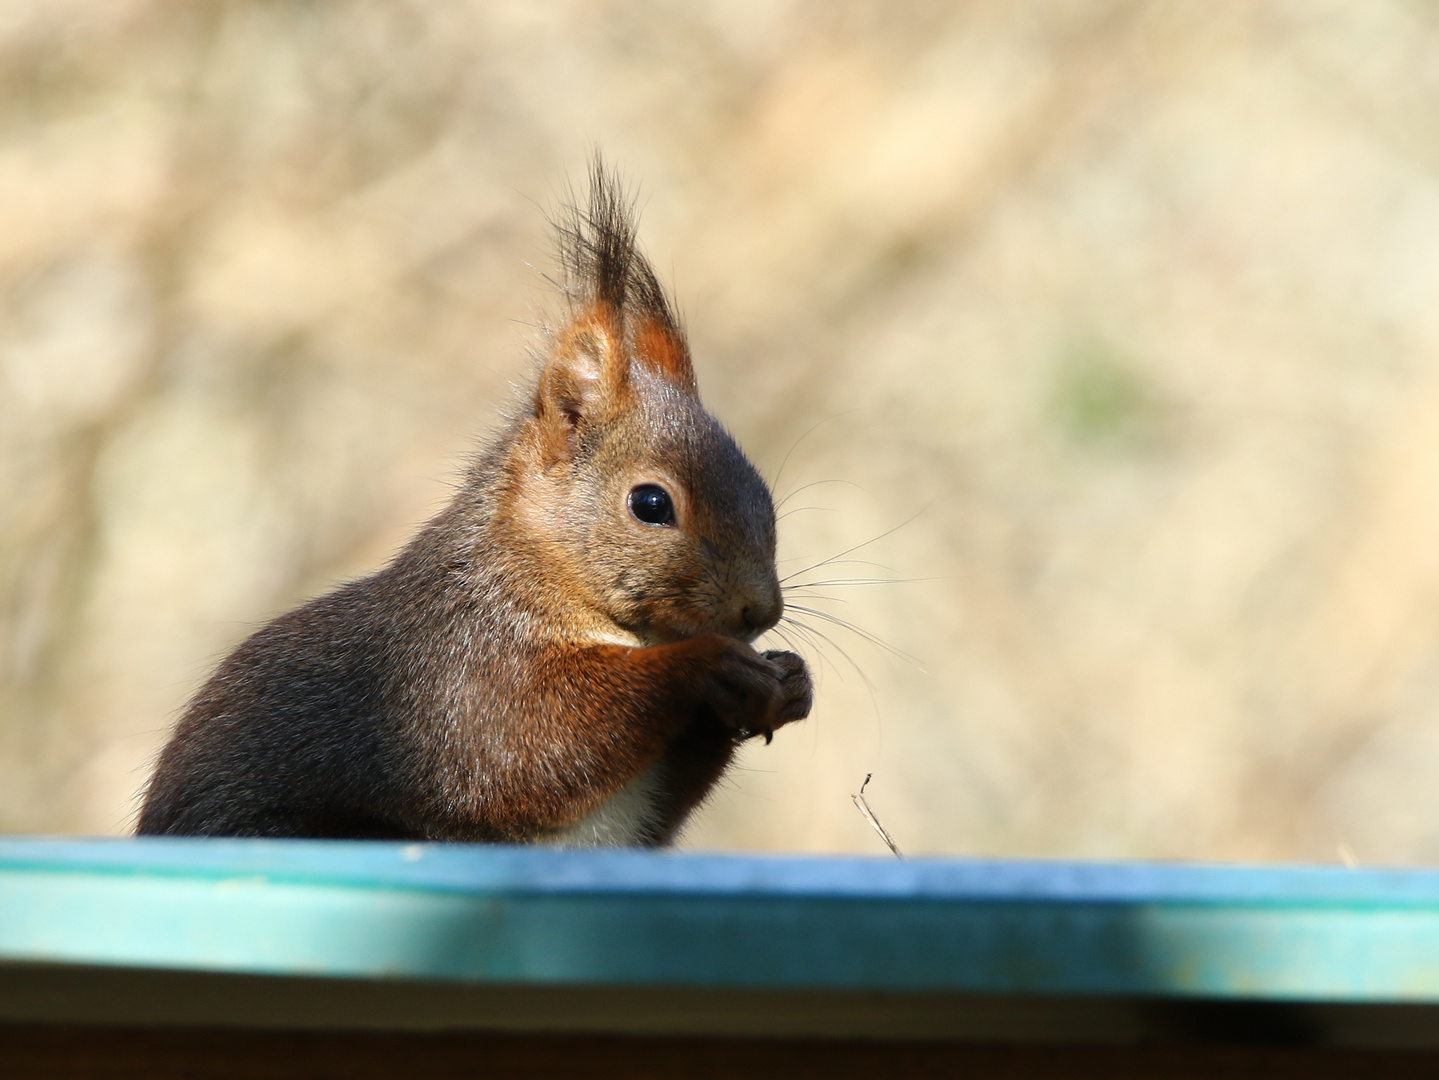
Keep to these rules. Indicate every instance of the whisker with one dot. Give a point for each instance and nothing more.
(838, 562)
(800, 628)
(872, 540)
(784, 639)
(802, 509)
(804, 631)
(820, 634)
(811, 430)
(859, 581)
(813, 596)
(816, 641)
(814, 483)
(873, 639)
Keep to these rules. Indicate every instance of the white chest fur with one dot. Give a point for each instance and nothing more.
(626, 818)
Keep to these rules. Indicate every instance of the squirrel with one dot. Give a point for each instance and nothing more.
(563, 654)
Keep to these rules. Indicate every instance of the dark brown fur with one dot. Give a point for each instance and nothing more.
(535, 648)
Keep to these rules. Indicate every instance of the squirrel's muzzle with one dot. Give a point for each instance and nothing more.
(760, 610)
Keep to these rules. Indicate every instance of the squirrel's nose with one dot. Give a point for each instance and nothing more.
(759, 615)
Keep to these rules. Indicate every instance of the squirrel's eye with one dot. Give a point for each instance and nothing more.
(651, 504)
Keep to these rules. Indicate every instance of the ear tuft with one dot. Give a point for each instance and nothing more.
(604, 272)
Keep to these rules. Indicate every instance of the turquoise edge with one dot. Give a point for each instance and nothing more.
(535, 916)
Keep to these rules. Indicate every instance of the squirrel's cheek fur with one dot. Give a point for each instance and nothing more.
(537, 664)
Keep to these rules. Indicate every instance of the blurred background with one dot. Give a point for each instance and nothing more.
(1097, 344)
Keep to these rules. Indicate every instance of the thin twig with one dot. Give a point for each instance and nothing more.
(863, 807)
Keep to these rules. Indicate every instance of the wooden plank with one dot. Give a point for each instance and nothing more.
(58, 1053)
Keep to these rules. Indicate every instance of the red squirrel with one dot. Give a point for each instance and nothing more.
(561, 655)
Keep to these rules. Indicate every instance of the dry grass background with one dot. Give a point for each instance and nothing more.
(1123, 317)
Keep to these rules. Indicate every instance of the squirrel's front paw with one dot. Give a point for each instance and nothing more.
(755, 694)
(796, 691)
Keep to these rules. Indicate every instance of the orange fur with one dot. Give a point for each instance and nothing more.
(666, 352)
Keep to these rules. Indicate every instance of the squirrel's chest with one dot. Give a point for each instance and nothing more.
(631, 816)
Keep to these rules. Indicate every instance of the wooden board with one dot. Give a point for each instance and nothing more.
(59, 1053)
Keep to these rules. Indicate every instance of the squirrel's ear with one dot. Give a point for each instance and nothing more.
(660, 344)
(585, 380)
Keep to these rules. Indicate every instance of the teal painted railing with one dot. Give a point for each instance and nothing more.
(630, 918)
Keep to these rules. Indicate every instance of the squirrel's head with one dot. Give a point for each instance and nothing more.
(637, 499)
